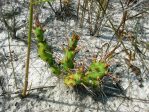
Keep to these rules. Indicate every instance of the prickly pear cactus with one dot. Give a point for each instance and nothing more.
(72, 80)
(70, 52)
(45, 53)
(39, 33)
(44, 50)
(95, 73)
(93, 76)
(68, 61)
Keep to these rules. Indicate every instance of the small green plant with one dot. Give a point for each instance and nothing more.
(44, 50)
(70, 52)
(92, 77)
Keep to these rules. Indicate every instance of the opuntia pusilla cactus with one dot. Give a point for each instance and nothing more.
(70, 52)
(44, 50)
(92, 77)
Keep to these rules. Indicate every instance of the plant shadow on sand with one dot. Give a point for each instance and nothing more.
(108, 89)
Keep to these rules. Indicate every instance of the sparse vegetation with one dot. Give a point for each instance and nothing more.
(99, 48)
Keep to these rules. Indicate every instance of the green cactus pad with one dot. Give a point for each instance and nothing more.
(70, 52)
(93, 77)
(99, 69)
(39, 33)
(45, 53)
(73, 79)
(68, 61)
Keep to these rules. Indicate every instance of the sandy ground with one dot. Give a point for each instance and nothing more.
(48, 93)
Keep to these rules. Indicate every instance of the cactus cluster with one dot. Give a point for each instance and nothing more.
(92, 77)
